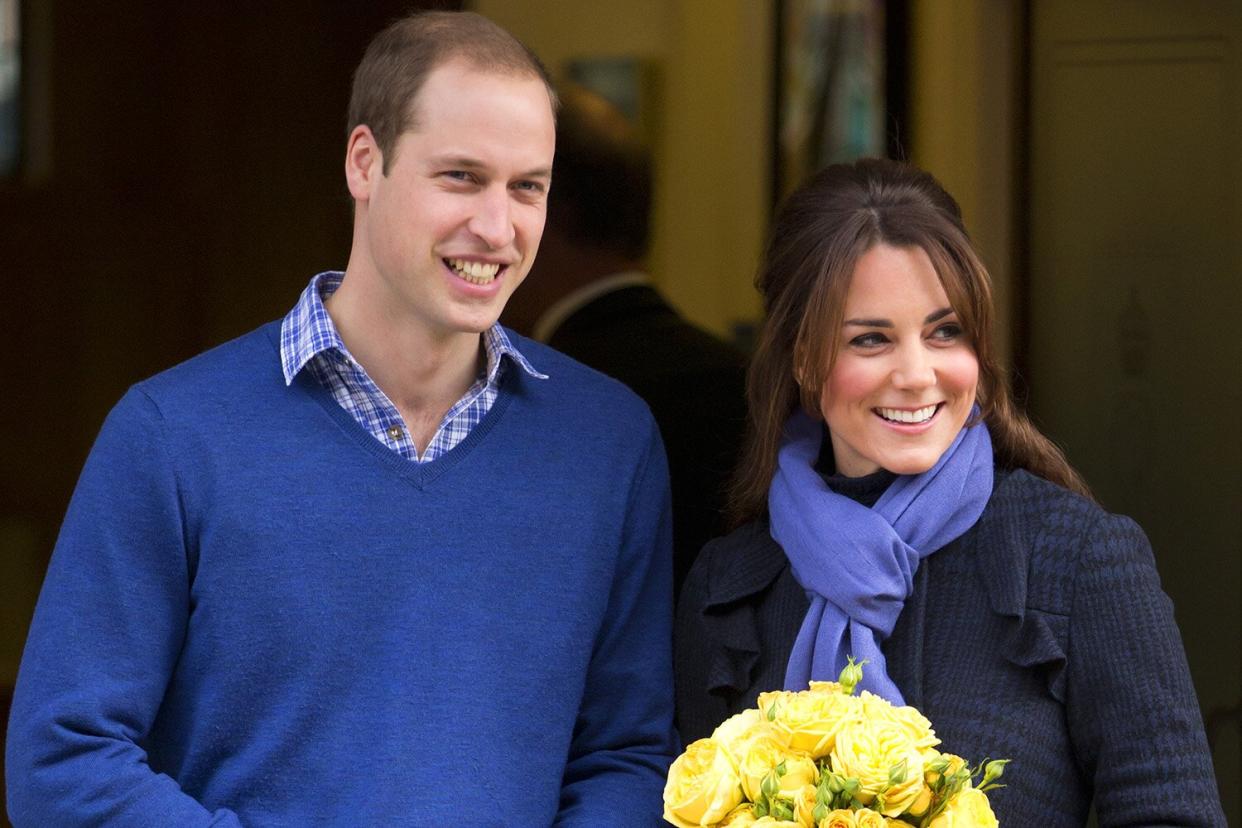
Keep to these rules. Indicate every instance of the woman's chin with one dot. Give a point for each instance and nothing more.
(909, 463)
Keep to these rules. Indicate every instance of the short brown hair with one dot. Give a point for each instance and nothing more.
(821, 232)
(399, 58)
(603, 173)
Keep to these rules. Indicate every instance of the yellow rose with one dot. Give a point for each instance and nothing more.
(702, 786)
(968, 809)
(804, 806)
(773, 822)
(737, 732)
(921, 803)
(867, 818)
(912, 721)
(825, 687)
(869, 751)
(839, 818)
(743, 816)
(762, 756)
(731, 729)
(956, 763)
(777, 698)
(808, 722)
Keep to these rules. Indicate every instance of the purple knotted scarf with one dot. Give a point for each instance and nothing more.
(857, 564)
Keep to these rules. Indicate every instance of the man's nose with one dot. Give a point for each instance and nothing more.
(492, 221)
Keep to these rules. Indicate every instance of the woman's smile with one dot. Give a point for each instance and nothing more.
(905, 375)
(907, 416)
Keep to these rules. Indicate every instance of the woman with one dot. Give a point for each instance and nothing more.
(893, 505)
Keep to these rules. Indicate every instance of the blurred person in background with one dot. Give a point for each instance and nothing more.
(590, 296)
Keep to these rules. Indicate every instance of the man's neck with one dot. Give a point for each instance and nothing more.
(422, 372)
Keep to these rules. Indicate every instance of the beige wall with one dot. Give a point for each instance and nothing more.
(713, 115)
(963, 82)
(712, 145)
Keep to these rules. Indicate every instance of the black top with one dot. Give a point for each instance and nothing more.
(695, 385)
(1040, 635)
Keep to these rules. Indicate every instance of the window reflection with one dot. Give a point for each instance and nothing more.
(10, 69)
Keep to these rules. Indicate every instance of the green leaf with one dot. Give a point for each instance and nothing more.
(993, 770)
(851, 675)
(770, 786)
(782, 809)
(897, 773)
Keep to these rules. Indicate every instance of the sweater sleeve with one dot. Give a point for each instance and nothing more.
(623, 739)
(1131, 706)
(103, 643)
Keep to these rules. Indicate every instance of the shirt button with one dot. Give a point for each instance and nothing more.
(394, 432)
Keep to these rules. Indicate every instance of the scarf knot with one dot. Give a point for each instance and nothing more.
(857, 564)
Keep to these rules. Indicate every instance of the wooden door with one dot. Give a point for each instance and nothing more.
(1135, 300)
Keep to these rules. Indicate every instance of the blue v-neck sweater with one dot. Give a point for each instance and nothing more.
(257, 614)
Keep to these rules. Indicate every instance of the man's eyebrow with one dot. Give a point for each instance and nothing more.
(465, 162)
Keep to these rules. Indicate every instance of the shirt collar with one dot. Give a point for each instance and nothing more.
(570, 303)
(307, 330)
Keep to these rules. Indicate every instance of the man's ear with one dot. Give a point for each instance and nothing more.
(363, 162)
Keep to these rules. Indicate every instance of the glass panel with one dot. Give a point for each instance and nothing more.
(10, 77)
(832, 85)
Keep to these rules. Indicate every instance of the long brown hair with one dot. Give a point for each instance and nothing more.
(820, 233)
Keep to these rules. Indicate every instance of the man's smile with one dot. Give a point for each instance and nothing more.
(478, 273)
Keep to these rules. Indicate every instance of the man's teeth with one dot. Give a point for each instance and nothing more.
(479, 273)
(897, 415)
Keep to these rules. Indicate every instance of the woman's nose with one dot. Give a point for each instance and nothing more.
(914, 368)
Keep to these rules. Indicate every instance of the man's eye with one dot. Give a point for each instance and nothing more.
(529, 186)
(459, 175)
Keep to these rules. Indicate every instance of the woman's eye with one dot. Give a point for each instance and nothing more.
(869, 340)
(948, 331)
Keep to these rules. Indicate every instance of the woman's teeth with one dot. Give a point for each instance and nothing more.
(898, 415)
(478, 273)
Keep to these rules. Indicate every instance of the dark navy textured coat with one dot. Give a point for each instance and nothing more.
(1041, 635)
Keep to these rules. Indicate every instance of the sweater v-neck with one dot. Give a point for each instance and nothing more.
(420, 474)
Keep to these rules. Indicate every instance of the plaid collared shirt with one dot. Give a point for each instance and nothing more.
(309, 341)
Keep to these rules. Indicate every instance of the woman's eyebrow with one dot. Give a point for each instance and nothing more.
(934, 316)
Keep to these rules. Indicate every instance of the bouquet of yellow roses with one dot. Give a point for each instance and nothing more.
(826, 758)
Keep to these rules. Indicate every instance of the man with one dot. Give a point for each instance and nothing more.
(378, 563)
(589, 297)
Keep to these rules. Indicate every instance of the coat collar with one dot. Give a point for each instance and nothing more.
(745, 575)
(749, 564)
